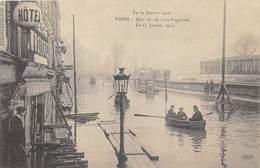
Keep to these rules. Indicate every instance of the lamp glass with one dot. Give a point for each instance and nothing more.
(121, 82)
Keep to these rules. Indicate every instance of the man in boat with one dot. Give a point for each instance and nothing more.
(171, 112)
(197, 116)
(181, 114)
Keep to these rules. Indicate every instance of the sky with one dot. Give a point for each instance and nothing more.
(100, 39)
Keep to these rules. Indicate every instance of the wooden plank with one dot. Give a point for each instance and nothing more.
(131, 132)
(136, 156)
(64, 157)
(73, 166)
(66, 150)
(82, 115)
(118, 132)
(67, 163)
(135, 153)
(66, 153)
(108, 138)
(150, 153)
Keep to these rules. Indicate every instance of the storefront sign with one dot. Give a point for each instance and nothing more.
(27, 14)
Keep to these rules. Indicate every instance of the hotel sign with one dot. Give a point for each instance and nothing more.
(27, 14)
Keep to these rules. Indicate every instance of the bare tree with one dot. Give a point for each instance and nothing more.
(246, 45)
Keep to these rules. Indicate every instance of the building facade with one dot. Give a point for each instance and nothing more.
(30, 72)
(234, 65)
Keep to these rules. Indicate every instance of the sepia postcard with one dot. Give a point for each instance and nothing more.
(129, 84)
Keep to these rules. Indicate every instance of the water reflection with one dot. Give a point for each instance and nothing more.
(224, 116)
(232, 143)
(149, 98)
(196, 136)
(223, 146)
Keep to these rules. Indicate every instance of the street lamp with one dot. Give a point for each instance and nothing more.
(121, 87)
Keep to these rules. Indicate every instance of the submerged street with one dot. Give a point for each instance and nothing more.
(233, 143)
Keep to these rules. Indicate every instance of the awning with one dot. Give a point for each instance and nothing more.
(37, 87)
(34, 71)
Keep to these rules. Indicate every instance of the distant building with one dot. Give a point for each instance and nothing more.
(234, 65)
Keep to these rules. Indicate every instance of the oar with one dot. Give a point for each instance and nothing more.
(111, 96)
(208, 114)
(144, 115)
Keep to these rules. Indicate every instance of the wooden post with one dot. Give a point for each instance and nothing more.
(223, 89)
(166, 90)
(224, 45)
(1, 149)
(75, 83)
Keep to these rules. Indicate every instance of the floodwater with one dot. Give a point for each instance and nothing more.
(234, 143)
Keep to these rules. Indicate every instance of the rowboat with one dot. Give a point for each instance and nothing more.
(195, 125)
(148, 91)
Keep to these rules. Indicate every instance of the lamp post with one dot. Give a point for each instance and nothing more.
(121, 87)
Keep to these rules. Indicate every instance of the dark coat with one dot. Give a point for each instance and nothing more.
(182, 115)
(171, 113)
(197, 116)
(17, 140)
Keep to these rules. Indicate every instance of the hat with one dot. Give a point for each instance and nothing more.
(195, 106)
(172, 105)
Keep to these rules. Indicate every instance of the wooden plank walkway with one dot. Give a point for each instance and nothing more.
(137, 157)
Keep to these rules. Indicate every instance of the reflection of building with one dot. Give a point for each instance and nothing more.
(152, 74)
(144, 79)
(30, 68)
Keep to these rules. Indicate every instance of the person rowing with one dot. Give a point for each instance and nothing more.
(181, 114)
(171, 112)
(197, 116)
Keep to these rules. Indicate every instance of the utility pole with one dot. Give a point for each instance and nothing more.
(1, 149)
(166, 91)
(75, 81)
(223, 88)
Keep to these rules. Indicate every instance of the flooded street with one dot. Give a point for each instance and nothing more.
(234, 143)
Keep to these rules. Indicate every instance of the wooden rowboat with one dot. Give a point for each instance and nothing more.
(194, 125)
(148, 91)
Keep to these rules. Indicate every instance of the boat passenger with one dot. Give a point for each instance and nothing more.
(197, 116)
(181, 114)
(171, 112)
